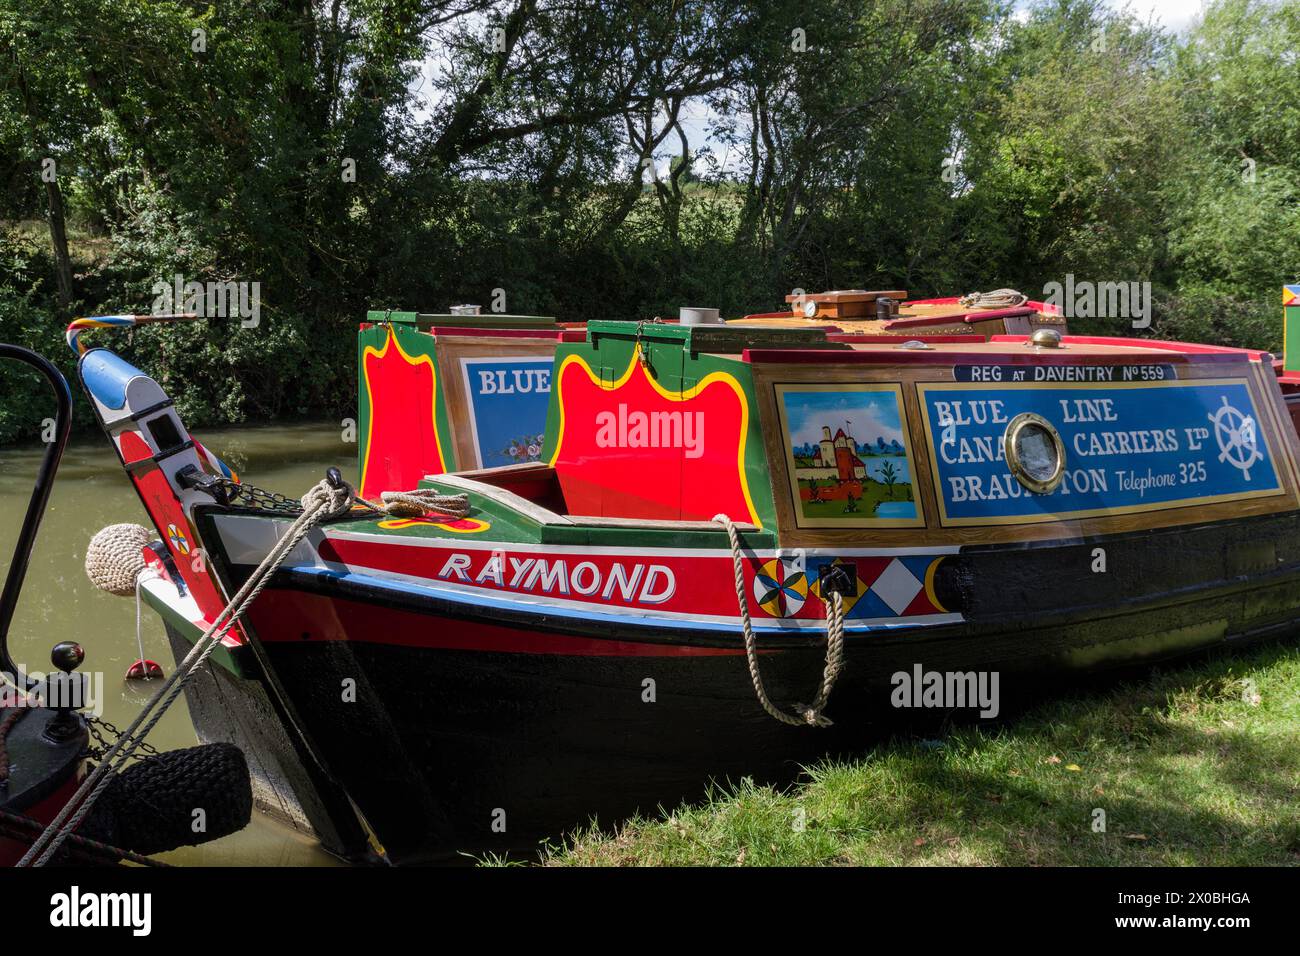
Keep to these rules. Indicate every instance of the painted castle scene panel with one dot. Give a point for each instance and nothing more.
(848, 455)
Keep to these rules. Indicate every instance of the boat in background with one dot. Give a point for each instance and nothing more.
(42, 749)
(45, 733)
(721, 514)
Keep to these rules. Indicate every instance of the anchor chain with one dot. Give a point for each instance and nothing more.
(98, 727)
(405, 504)
(242, 494)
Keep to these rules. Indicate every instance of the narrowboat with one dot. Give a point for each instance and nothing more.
(46, 745)
(437, 392)
(734, 537)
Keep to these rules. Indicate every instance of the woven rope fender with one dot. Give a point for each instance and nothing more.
(113, 558)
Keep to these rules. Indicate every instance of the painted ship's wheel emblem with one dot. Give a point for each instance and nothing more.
(1237, 437)
(177, 537)
(780, 588)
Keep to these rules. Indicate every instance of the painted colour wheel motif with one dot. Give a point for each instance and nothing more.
(780, 588)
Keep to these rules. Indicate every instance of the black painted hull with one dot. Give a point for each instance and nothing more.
(454, 750)
(227, 709)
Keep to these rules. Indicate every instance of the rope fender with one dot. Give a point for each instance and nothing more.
(114, 562)
(325, 500)
(114, 557)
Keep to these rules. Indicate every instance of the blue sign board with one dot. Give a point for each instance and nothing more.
(508, 398)
(1128, 447)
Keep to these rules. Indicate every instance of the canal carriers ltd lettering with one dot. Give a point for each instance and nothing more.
(1127, 447)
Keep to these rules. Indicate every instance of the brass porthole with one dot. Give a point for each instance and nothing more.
(1034, 452)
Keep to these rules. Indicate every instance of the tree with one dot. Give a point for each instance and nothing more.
(889, 475)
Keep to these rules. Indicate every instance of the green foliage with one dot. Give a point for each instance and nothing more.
(361, 155)
(24, 320)
(1235, 204)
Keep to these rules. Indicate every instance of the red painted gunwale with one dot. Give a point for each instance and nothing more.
(1168, 345)
(298, 617)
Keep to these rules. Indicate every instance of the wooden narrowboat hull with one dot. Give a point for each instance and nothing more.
(566, 641)
(468, 718)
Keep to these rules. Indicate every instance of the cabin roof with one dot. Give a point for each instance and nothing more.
(1005, 350)
(489, 320)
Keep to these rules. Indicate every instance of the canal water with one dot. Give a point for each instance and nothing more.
(59, 603)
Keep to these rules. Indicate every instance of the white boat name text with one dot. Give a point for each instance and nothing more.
(642, 583)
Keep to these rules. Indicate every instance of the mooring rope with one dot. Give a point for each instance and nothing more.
(805, 715)
(23, 828)
(997, 299)
(325, 500)
(139, 634)
(415, 504)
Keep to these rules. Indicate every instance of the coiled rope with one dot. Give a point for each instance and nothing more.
(325, 500)
(805, 715)
(997, 299)
(414, 504)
